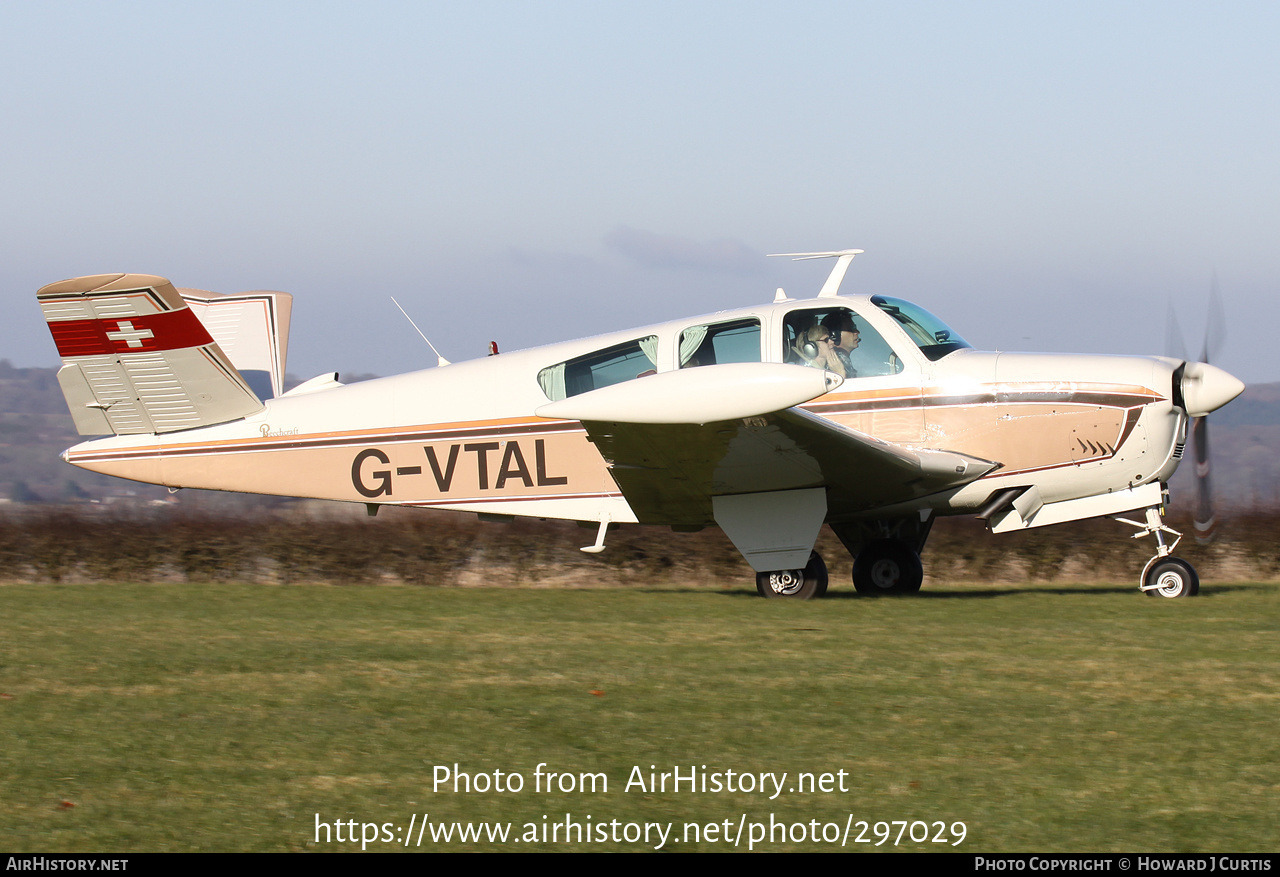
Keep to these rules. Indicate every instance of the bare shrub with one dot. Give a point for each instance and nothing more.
(427, 548)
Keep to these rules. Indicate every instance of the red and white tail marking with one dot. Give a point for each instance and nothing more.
(163, 330)
(136, 359)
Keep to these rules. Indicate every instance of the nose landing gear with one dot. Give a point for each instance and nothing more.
(1164, 575)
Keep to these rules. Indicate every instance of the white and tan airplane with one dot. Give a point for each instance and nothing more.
(865, 413)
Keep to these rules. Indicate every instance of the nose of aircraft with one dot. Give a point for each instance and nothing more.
(1207, 388)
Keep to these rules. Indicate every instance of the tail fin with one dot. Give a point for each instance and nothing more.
(137, 360)
(252, 328)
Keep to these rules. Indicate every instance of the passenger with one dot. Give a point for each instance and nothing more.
(818, 350)
(797, 327)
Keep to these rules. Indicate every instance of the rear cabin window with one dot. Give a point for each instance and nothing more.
(600, 368)
(738, 341)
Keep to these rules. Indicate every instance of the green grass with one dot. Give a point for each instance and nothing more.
(225, 717)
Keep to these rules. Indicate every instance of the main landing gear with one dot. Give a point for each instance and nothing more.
(886, 560)
(883, 567)
(887, 566)
(1164, 575)
(886, 553)
(798, 584)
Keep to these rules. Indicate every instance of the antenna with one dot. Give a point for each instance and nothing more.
(440, 360)
(831, 288)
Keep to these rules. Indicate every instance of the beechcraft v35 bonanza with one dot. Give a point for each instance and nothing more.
(866, 413)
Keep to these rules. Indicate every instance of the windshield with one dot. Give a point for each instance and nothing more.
(934, 338)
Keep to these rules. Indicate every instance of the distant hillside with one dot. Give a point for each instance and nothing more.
(1244, 438)
(35, 428)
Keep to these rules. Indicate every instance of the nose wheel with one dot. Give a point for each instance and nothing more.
(1170, 577)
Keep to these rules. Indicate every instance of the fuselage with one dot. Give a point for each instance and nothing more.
(466, 437)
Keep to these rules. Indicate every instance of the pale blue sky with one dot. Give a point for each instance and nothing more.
(1042, 176)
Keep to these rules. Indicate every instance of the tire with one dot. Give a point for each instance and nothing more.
(795, 584)
(887, 566)
(1173, 578)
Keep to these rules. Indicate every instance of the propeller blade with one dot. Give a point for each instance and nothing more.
(1205, 520)
(1215, 333)
(1215, 327)
(1174, 346)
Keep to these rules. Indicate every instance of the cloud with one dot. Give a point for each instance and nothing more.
(675, 252)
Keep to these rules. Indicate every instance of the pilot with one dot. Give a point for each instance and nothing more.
(844, 331)
(818, 350)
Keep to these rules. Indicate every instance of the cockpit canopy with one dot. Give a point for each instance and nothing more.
(934, 338)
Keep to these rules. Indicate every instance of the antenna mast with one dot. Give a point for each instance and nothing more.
(831, 288)
(440, 360)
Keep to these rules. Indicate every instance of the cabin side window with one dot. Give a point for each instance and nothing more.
(600, 368)
(837, 340)
(738, 341)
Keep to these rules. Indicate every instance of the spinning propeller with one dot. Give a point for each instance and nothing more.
(1198, 389)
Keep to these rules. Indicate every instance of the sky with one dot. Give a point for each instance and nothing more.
(1043, 176)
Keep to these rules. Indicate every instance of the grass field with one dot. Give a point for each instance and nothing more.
(1046, 718)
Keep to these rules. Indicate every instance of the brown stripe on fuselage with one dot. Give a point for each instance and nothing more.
(1108, 395)
(478, 500)
(444, 467)
(1135, 414)
(1029, 427)
(831, 404)
(353, 438)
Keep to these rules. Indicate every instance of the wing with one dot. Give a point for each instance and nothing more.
(670, 466)
(670, 472)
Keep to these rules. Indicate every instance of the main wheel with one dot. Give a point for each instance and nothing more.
(1171, 577)
(797, 584)
(887, 566)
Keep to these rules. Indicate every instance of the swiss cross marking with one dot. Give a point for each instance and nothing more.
(131, 336)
